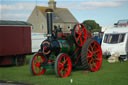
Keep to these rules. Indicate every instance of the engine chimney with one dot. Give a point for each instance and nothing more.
(49, 23)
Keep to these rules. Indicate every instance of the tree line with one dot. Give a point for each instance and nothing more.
(92, 26)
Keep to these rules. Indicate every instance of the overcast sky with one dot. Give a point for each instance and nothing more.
(104, 12)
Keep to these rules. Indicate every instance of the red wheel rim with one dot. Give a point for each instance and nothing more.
(37, 60)
(64, 65)
(94, 56)
(80, 34)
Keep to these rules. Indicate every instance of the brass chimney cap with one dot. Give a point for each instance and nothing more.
(49, 10)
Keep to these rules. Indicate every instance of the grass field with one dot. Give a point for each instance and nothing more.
(109, 74)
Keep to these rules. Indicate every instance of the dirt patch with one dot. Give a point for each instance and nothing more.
(85, 72)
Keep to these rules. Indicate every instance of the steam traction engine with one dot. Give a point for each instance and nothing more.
(63, 51)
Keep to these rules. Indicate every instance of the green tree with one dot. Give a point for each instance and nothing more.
(92, 26)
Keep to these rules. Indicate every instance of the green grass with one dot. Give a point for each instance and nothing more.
(109, 74)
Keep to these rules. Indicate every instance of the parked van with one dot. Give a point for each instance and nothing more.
(115, 40)
(36, 40)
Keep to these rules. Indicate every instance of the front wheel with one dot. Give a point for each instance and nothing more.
(63, 65)
(35, 64)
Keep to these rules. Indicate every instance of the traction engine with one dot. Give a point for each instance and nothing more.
(61, 51)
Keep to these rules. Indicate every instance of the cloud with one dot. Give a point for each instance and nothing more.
(101, 4)
(19, 6)
(13, 16)
(91, 5)
(17, 11)
(21, 10)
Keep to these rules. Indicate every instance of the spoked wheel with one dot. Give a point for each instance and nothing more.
(91, 55)
(35, 67)
(80, 34)
(63, 65)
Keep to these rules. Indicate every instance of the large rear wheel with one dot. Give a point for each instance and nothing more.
(63, 65)
(91, 55)
(35, 64)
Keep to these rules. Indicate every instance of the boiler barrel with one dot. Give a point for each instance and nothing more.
(65, 46)
(58, 46)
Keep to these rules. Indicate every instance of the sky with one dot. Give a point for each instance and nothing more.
(104, 12)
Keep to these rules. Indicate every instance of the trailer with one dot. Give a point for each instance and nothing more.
(15, 42)
(115, 40)
(122, 23)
